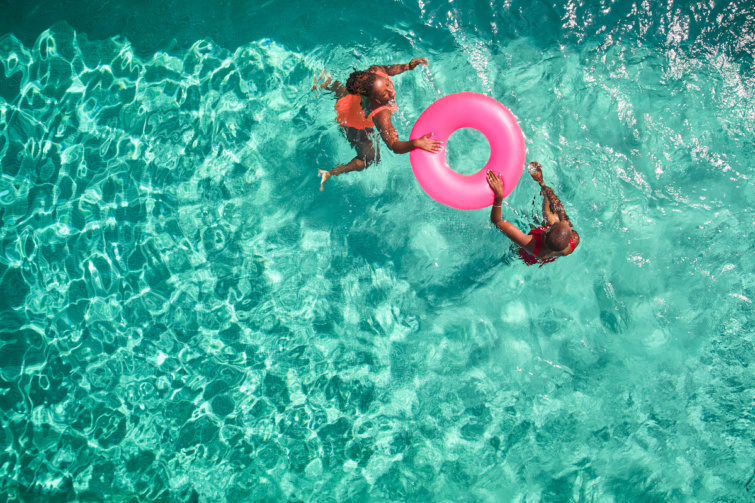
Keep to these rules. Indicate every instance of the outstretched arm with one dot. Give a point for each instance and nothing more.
(405, 67)
(550, 215)
(552, 207)
(511, 231)
(390, 136)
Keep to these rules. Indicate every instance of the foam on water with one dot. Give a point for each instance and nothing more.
(185, 317)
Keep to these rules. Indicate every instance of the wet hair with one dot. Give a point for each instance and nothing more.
(558, 236)
(361, 83)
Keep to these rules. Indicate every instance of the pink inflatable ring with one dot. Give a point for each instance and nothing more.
(488, 116)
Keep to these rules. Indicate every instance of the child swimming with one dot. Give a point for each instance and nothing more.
(366, 102)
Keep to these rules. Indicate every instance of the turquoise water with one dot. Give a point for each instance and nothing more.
(185, 317)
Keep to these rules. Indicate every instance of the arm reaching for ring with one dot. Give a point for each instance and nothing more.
(390, 136)
(512, 232)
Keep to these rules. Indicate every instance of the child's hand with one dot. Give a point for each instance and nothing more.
(316, 80)
(496, 183)
(425, 143)
(417, 61)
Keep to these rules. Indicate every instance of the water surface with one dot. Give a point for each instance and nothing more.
(185, 317)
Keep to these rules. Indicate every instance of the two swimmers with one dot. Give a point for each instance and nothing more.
(367, 102)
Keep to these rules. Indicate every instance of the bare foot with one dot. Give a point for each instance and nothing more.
(325, 175)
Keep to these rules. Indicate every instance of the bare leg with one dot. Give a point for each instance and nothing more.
(368, 155)
(356, 164)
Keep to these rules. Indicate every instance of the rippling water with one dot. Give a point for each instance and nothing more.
(185, 317)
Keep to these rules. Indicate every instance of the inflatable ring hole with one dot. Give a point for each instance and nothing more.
(467, 151)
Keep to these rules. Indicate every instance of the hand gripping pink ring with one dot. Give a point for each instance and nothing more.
(492, 119)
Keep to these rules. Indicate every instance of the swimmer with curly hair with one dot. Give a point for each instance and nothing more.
(364, 104)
